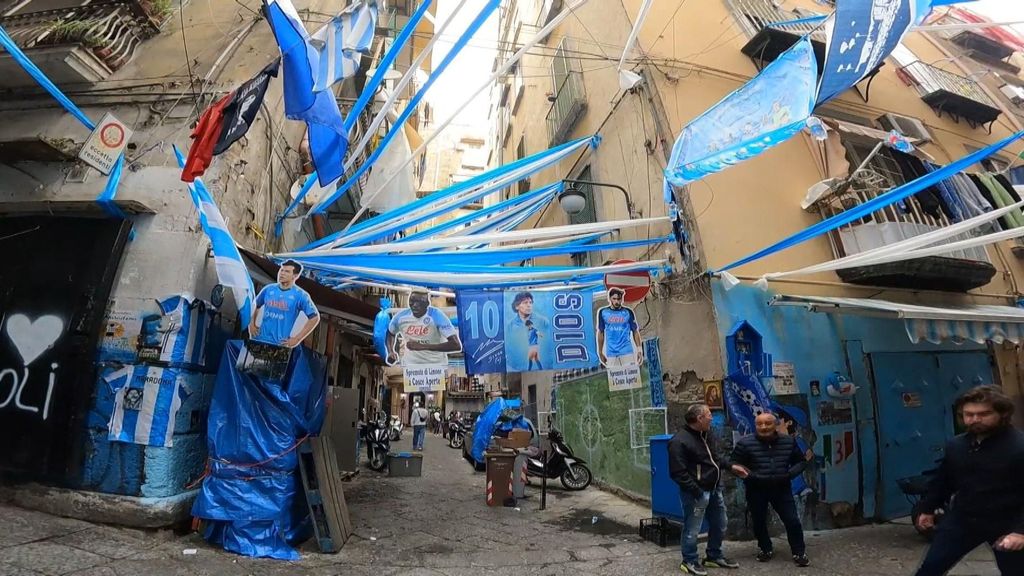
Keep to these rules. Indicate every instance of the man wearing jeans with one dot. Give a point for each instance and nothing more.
(697, 470)
(419, 426)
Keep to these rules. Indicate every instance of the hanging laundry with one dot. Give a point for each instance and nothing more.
(974, 203)
(947, 193)
(1001, 198)
(1007, 185)
(928, 198)
(1016, 175)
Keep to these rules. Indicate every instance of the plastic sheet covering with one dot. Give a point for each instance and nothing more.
(252, 497)
(487, 424)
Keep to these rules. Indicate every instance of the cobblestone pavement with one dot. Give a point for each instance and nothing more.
(439, 524)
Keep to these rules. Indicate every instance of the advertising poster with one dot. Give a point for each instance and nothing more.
(526, 331)
(420, 338)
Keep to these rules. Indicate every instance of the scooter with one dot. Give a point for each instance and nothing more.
(914, 488)
(378, 444)
(457, 434)
(395, 429)
(571, 471)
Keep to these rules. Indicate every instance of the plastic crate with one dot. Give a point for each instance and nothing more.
(660, 531)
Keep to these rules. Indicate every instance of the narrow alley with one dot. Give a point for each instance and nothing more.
(439, 524)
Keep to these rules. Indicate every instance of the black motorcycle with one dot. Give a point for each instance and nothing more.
(915, 488)
(378, 443)
(457, 433)
(571, 471)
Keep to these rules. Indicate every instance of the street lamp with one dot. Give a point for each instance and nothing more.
(573, 200)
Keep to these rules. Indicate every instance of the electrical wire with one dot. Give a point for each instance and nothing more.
(184, 43)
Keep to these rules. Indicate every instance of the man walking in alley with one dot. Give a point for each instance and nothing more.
(419, 426)
(983, 470)
(696, 468)
(768, 461)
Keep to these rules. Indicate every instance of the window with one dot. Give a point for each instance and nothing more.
(568, 94)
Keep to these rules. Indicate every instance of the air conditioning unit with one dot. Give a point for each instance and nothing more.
(909, 127)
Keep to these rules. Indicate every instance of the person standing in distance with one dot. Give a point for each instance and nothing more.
(983, 470)
(419, 426)
(280, 305)
(695, 466)
(768, 462)
(618, 334)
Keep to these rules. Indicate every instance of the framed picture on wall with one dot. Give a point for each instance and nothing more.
(713, 395)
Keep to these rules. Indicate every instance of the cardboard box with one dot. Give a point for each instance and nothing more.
(517, 438)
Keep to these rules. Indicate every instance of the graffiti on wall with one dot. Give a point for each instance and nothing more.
(30, 338)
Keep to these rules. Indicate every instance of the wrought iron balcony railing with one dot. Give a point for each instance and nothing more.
(111, 31)
(944, 91)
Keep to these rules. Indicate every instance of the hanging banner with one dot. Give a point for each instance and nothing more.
(523, 331)
(763, 113)
(652, 355)
(619, 345)
(860, 36)
(420, 338)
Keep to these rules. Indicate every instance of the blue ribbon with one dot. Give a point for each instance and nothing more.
(890, 197)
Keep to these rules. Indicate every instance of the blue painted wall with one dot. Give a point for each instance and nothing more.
(817, 345)
(147, 471)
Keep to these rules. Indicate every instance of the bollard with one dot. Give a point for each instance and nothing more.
(544, 483)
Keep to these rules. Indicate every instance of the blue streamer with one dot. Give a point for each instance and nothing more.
(412, 105)
(890, 197)
(465, 259)
(455, 189)
(497, 208)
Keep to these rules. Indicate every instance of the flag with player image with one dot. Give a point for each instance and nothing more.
(420, 338)
(619, 346)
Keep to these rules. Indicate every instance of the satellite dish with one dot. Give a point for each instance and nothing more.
(315, 193)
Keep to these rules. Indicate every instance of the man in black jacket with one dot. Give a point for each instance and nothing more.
(768, 461)
(696, 468)
(983, 470)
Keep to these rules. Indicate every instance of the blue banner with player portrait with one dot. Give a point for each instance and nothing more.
(526, 331)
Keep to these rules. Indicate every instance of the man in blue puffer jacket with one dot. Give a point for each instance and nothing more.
(768, 461)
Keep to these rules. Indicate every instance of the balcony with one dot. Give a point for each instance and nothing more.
(759, 20)
(83, 44)
(954, 272)
(958, 96)
(568, 103)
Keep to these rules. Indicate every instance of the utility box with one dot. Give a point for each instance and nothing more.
(664, 491)
(405, 464)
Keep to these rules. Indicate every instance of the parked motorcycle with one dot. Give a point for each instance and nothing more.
(457, 433)
(378, 444)
(914, 488)
(395, 429)
(571, 471)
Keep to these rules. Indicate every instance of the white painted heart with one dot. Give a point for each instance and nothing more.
(33, 338)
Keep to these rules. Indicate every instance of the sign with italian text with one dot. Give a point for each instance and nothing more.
(425, 378)
(105, 144)
(526, 331)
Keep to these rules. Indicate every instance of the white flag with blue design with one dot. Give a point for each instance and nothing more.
(341, 43)
(146, 402)
(231, 270)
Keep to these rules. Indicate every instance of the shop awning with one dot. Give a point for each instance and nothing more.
(328, 301)
(973, 323)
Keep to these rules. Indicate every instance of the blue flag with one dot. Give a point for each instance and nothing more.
(746, 398)
(763, 113)
(861, 35)
(300, 59)
(341, 43)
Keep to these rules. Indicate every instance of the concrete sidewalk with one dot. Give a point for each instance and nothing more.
(439, 524)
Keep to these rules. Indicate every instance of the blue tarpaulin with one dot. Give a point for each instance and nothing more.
(487, 423)
(252, 497)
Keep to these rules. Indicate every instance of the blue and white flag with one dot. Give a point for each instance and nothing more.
(231, 270)
(146, 401)
(746, 398)
(762, 113)
(341, 43)
(300, 60)
(862, 34)
(189, 327)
